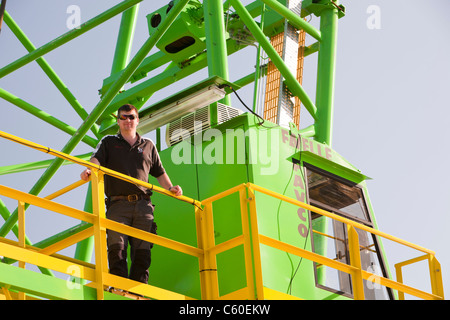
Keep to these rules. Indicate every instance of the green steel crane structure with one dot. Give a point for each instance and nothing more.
(274, 196)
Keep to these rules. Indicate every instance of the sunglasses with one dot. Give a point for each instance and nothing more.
(127, 116)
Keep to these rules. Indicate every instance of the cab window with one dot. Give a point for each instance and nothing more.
(345, 198)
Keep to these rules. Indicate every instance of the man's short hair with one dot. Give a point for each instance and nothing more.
(127, 108)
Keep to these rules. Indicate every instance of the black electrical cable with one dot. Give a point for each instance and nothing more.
(262, 120)
(299, 141)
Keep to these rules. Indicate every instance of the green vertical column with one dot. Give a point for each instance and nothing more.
(288, 75)
(258, 60)
(326, 74)
(123, 48)
(125, 39)
(216, 47)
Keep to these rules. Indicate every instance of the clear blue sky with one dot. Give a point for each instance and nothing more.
(390, 120)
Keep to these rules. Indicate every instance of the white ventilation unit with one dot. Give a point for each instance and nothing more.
(196, 122)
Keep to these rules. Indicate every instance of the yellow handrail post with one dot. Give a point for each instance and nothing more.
(200, 244)
(98, 208)
(22, 244)
(355, 261)
(247, 245)
(435, 276)
(399, 276)
(208, 264)
(21, 222)
(255, 245)
(7, 293)
(210, 259)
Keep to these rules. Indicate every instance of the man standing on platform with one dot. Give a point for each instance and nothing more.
(127, 203)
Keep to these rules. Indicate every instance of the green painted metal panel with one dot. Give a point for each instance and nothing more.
(201, 168)
(218, 171)
(176, 220)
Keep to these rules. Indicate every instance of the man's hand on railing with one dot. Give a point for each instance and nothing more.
(86, 175)
(176, 190)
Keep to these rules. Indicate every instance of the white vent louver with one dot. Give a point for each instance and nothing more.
(196, 122)
(225, 113)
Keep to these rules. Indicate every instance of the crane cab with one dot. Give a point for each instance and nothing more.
(244, 150)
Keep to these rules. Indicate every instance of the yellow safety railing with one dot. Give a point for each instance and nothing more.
(206, 250)
(252, 239)
(97, 274)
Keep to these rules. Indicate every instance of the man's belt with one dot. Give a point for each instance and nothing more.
(130, 198)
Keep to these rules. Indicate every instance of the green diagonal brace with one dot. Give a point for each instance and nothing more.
(88, 25)
(293, 19)
(22, 167)
(44, 116)
(48, 70)
(99, 109)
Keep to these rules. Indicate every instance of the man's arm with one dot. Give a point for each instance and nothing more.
(164, 181)
(86, 173)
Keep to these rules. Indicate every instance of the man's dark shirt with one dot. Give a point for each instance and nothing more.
(137, 161)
